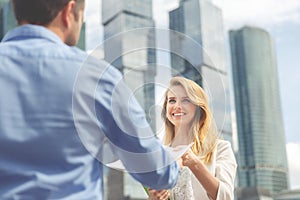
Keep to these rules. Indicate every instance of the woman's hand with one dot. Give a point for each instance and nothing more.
(207, 180)
(158, 194)
(189, 159)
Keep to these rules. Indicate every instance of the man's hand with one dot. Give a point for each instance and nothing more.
(158, 194)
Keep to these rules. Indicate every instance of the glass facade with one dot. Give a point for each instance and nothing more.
(262, 152)
(2, 20)
(205, 63)
(7, 18)
(81, 42)
(132, 52)
(131, 49)
(288, 195)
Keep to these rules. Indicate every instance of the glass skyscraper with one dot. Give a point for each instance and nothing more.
(81, 41)
(262, 150)
(7, 18)
(131, 48)
(200, 21)
(1, 20)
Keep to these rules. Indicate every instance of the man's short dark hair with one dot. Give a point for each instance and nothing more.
(40, 12)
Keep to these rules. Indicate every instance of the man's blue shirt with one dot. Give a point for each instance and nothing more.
(42, 156)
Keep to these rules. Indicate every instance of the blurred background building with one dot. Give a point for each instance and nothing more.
(7, 18)
(136, 64)
(133, 53)
(201, 21)
(262, 154)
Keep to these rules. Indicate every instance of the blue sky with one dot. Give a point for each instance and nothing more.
(280, 18)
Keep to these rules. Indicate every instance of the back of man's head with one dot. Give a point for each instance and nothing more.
(40, 12)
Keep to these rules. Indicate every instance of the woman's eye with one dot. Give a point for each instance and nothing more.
(186, 101)
(172, 101)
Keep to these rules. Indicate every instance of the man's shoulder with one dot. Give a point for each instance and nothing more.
(100, 67)
(74, 53)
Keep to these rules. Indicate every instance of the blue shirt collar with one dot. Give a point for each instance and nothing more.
(31, 31)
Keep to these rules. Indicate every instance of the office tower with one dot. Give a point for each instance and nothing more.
(2, 3)
(288, 195)
(81, 42)
(128, 51)
(262, 152)
(7, 18)
(1, 21)
(200, 22)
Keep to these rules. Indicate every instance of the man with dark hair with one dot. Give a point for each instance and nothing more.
(57, 103)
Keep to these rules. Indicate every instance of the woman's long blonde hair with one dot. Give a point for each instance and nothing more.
(203, 127)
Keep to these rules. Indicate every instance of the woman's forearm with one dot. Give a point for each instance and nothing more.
(208, 181)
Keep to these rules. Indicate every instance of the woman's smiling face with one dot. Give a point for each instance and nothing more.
(180, 110)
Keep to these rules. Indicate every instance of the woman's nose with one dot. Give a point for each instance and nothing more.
(177, 104)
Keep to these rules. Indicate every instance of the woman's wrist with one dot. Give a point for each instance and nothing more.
(196, 166)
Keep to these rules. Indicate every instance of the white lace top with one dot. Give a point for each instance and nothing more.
(223, 166)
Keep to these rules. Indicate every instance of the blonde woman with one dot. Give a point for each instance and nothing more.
(209, 167)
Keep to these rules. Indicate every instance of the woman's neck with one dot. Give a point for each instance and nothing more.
(183, 136)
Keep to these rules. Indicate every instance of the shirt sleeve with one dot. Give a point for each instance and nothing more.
(109, 109)
(225, 170)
